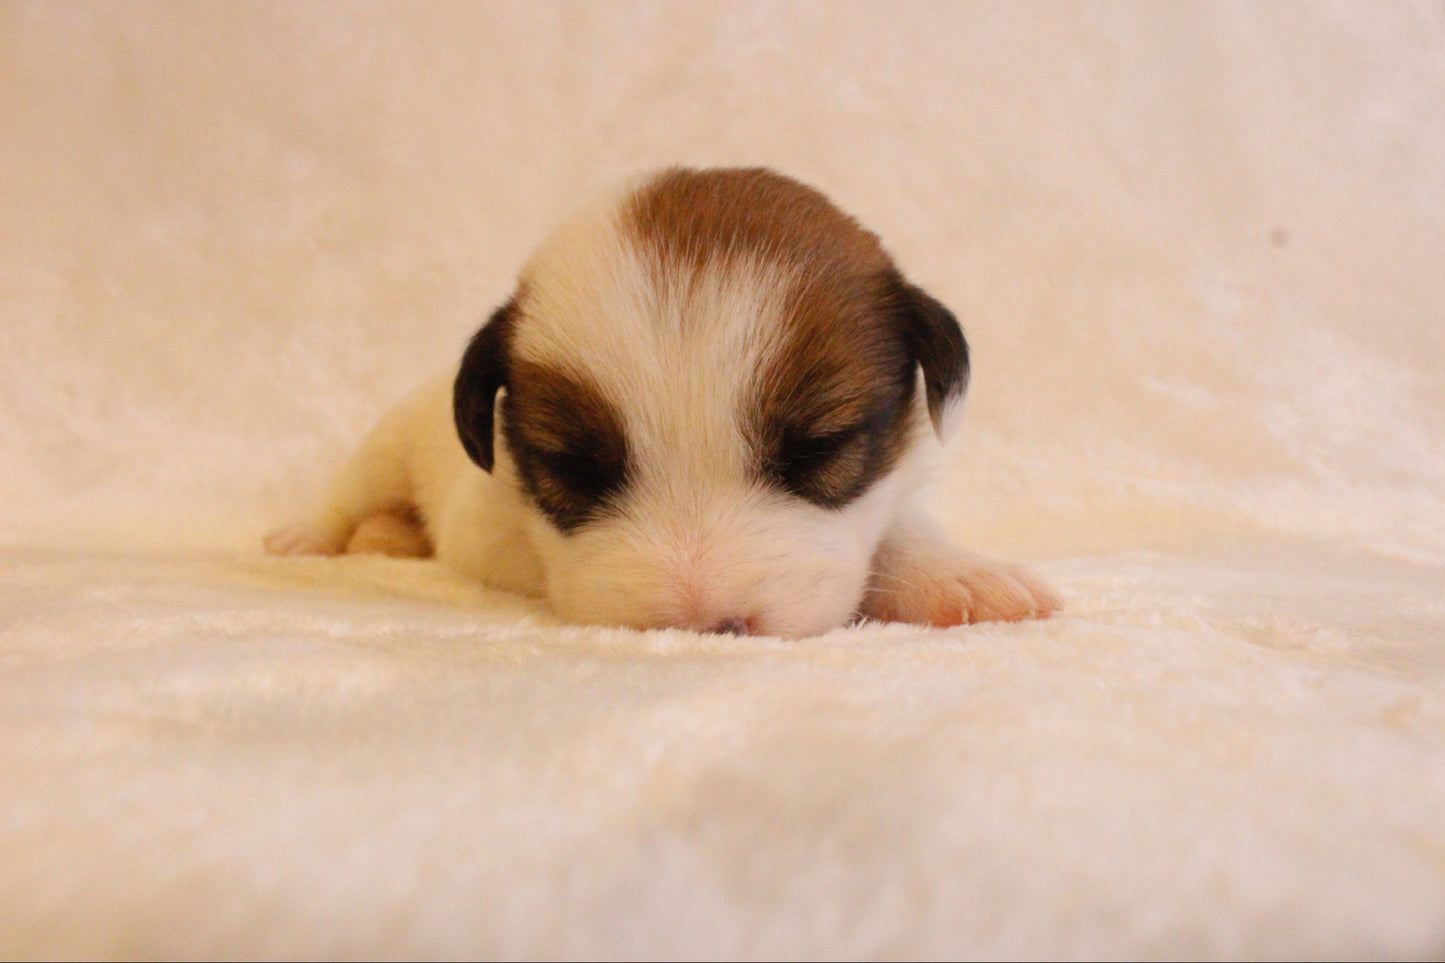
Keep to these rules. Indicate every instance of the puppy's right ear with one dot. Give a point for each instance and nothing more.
(482, 374)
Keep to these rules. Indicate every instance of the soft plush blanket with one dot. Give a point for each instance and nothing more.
(1199, 251)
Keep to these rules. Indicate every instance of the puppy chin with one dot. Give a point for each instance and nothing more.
(748, 565)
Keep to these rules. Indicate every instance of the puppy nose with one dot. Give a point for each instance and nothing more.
(731, 627)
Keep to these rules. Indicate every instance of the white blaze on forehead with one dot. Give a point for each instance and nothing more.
(673, 348)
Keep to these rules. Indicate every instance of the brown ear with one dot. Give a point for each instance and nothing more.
(482, 374)
(936, 342)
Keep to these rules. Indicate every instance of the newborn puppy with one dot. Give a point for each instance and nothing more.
(711, 404)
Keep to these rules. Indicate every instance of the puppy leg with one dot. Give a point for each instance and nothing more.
(919, 576)
(372, 491)
(398, 534)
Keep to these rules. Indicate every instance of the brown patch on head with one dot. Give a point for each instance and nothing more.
(567, 441)
(833, 409)
(691, 218)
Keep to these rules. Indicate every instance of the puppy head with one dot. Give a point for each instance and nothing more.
(712, 400)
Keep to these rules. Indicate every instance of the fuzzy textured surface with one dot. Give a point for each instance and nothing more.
(1197, 250)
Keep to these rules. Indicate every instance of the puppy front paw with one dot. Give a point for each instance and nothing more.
(299, 539)
(943, 587)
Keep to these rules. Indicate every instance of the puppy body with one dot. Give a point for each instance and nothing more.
(712, 404)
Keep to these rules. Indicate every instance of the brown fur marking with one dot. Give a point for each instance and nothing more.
(567, 440)
(832, 410)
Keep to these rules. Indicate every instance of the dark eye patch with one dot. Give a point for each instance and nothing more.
(833, 410)
(567, 441)
(828, 441)
(828, 468)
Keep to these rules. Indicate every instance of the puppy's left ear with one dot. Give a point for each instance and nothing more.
(482, 374)
(936, 342)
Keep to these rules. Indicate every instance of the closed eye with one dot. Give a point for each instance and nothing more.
(827, 468)
(572, 485)
(580, 472)
(810, 450)
(568, 444)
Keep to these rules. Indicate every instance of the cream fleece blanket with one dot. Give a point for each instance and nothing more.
(1198, 251)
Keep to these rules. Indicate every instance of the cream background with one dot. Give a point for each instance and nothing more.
(1197, 251)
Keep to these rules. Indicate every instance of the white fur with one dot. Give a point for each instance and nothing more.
(697, 542)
